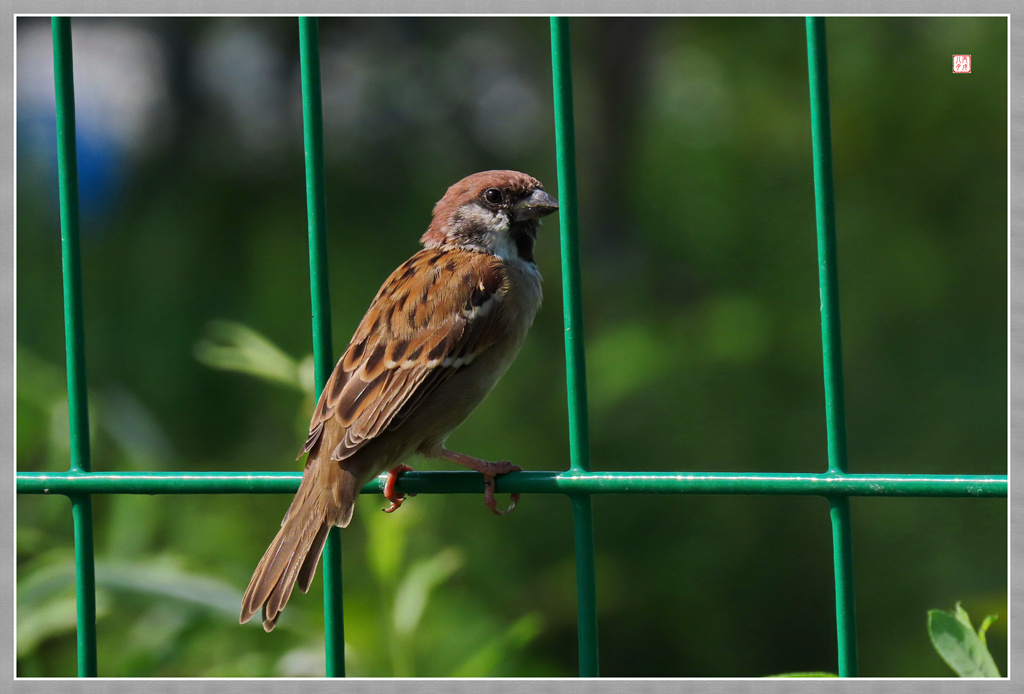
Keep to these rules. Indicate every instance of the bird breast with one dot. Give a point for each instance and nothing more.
(452, 402)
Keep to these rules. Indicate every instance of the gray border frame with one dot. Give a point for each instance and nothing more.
(523, 7)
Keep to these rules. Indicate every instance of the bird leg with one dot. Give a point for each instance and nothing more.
(489, 470)
(389, 488)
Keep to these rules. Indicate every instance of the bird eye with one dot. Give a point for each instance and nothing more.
(493, 196)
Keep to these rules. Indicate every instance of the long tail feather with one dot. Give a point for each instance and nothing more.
(308, 569)
(295, 552)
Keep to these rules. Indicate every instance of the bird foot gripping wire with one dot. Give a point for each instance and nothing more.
(389, 488)
(488, 469)
(491, 471)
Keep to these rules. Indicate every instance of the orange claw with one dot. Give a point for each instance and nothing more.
(389, 488)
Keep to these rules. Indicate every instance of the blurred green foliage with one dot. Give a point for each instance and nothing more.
(701, 317)
(964, 649)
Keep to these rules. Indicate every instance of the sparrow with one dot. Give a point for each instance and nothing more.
(441, 331)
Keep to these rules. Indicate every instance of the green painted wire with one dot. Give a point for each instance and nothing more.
(323, 355)
(67, 174)
(85, 584)
(534, 482)
(832, 356)
(575, 363)
(74, 335)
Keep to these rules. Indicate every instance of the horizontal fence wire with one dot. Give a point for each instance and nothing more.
(531, 482)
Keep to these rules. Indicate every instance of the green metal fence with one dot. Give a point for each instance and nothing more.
(837, 485)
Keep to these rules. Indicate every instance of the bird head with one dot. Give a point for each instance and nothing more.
(494, 212)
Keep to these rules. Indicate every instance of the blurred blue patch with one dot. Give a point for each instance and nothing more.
(101, 165)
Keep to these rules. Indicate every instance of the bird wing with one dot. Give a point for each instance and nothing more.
(434, 315)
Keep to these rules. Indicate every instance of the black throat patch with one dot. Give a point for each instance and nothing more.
(525, 235)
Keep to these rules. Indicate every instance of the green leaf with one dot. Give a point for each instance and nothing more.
(46, 600)
(958, 644)
(961, 615)
(415, 589)
(985, 625)
(233, 346)
(165, 579)
(53, 618)
(387, 538)
(485, 661)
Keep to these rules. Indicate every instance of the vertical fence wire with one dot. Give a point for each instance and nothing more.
(74, 337)
(835, 405)
(579, 438)
(323, 354)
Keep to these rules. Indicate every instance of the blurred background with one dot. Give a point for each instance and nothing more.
(702, 332)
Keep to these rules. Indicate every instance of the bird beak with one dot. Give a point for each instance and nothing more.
(536, 205)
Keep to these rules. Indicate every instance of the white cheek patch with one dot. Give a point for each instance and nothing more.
(497, 240)
(479, 216)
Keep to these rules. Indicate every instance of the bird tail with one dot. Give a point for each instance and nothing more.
(295, 552)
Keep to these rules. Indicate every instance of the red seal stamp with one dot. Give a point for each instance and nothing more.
(961, 63)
